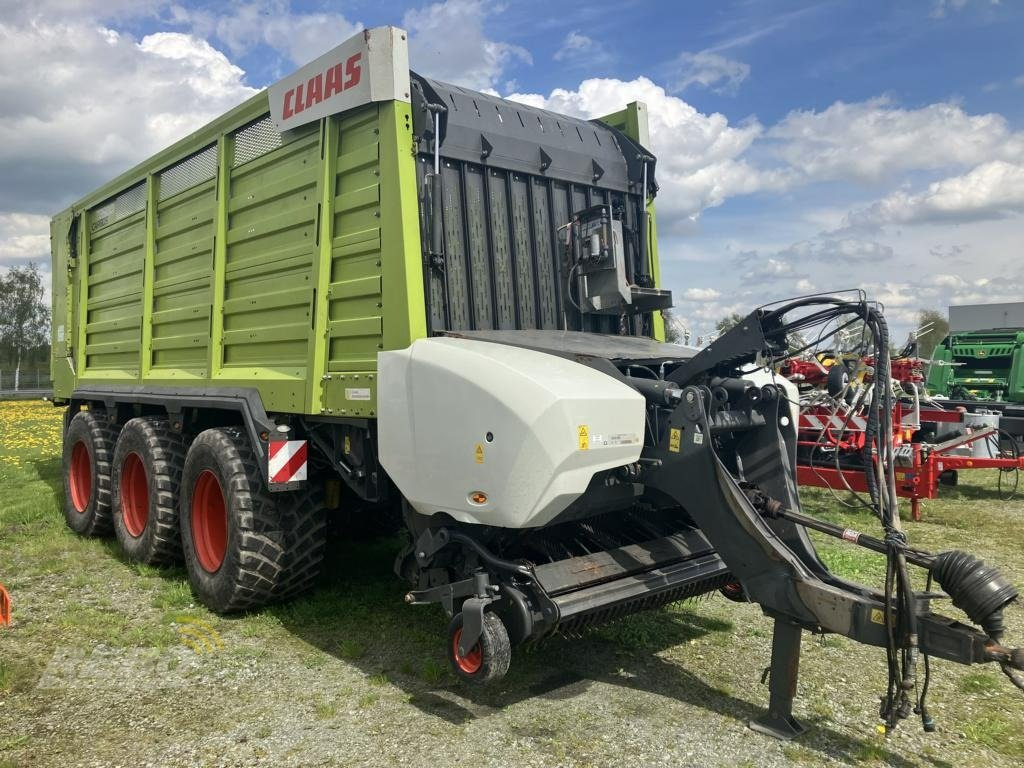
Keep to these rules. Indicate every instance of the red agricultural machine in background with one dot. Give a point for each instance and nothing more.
(934, 442)
(5, 607)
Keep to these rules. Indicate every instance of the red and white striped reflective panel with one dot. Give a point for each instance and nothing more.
(287, 461)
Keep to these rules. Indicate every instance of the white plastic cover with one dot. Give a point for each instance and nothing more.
(458, 418)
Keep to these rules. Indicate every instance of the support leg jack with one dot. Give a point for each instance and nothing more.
(785, 668)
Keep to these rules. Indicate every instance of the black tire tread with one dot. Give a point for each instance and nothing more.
(166, 449)
(304, 519)
(261, 554)
(103, 435)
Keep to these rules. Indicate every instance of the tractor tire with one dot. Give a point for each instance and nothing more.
(486, 661)
(304, 519)
(232, 532)
(88, 455)
(148, 462)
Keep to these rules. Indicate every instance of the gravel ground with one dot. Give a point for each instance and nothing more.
(109, 664)
(674, 687)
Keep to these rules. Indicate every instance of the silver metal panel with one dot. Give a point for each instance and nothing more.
(982, 317)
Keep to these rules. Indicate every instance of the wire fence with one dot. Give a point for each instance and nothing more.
(27, 382)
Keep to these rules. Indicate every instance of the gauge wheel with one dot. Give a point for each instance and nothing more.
(490, 656)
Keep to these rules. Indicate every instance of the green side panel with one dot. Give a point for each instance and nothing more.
(405, 319)
(113, 297)
(355, 310)
(375, 289)
(182, 283)
(271, 243)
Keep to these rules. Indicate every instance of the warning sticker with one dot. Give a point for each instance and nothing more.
(360, 393)
(877, 617)
(583, 437)
(348, 444)
(698, 438)
(478, 453)
(675, 437)
(851, 535)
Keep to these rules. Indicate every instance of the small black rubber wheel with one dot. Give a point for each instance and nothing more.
(148, 461)
(231, 530)
(838, 379)
(486, 661)
(88, 454)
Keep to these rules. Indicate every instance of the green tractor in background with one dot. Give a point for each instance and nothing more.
(979, 365)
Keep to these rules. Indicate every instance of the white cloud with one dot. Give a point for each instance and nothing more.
(243, 26)
(23, 239)
(709, 70)
(699, 156)
(301, 37)
(753, 268)
(701, 294)
(844, 250)
(583, 51)
(991, 190)
(97, 102)
(940, 7)
(873, 140)
(447, 41)
(65, 10)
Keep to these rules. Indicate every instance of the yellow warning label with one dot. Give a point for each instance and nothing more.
(877, 617)
(478, 453)
(348, 444)
(675, 436)
(583, 435)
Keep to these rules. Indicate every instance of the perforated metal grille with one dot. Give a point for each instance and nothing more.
(255, 140)
(122, 206)
(193, 170)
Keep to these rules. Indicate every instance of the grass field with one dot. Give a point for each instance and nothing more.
(107, 663)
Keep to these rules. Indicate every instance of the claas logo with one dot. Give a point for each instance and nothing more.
(323, 86)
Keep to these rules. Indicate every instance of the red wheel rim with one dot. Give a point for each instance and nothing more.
(209, 521)
(472, 661)
(134, 495)
(733, 589)
(80, 476)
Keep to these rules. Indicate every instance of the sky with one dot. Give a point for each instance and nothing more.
(802, 146)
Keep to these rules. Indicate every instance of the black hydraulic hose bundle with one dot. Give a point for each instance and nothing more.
(879, 463)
